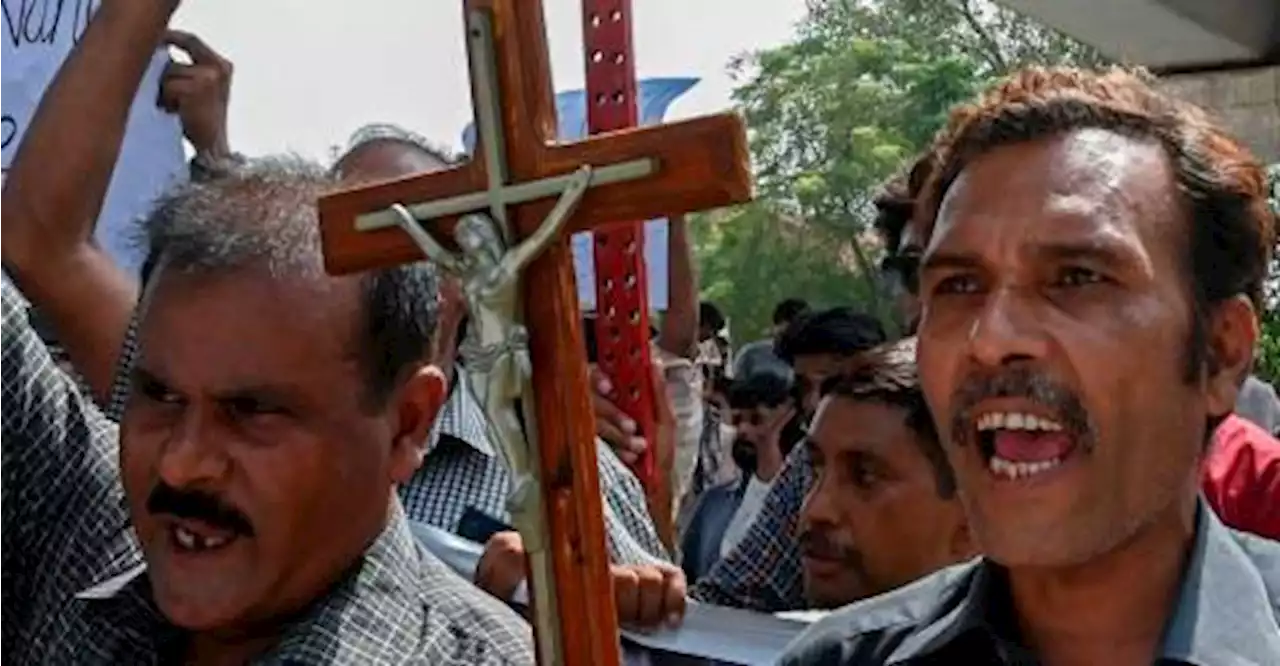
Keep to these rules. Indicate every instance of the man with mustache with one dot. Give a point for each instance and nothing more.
(247, 510)
(883, 510)
(764, 572)
(1094, 255)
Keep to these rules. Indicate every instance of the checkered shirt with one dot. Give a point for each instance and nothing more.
(76, 590)
(463, 469)
(763, 573)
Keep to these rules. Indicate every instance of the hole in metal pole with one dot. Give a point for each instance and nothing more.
(597, 56)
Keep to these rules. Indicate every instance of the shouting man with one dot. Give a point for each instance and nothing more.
(1094, 254)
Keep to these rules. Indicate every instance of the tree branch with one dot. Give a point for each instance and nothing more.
(995, 56)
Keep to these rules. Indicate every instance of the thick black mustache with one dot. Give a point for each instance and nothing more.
(197, 505)
(1026, 383)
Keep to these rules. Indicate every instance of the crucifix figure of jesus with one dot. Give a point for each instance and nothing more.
(512, 207)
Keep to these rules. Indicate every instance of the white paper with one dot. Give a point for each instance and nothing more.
(39, 34)
(655, 258)
(721, 634)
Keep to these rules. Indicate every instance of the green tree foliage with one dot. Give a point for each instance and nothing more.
(860, 90)
(1268, 357)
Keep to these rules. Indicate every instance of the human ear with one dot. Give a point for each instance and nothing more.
(1231, 336)
(418, 402)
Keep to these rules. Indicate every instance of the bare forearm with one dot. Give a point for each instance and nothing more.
(59, 177)
(680, 325)
(54, 190)
(90, 302)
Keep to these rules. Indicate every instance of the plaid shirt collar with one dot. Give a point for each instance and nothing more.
(377, 602)
(462, 418)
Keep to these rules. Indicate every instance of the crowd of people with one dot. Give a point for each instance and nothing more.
(232, 457)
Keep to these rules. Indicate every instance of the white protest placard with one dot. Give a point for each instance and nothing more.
(38, 36)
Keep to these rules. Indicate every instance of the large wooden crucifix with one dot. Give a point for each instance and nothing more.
(521, 182)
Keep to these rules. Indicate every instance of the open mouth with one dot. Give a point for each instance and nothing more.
(199, 538)
(1020, 445)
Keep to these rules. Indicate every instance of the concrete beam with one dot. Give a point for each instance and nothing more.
(1247, 102)
(1167, 34)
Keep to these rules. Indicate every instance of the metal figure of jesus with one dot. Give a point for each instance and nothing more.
(496, 347)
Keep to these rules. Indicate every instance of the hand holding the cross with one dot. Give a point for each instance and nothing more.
(613, 425)
(647, 595)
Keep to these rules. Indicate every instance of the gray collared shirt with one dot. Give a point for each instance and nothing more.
(75, 585)
(1227, 614)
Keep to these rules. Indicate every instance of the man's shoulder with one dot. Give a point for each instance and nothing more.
(1264, 555)
(465, 623)
(868, 631)
(405, 606)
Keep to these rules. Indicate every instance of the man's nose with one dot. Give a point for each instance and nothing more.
(192, 454)
(818, 508)
(1007, 329)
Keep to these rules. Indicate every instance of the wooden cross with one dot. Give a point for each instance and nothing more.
(518, 174)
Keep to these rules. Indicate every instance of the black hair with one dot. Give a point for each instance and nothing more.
(710, 317)
(839, 331)
(765, 388)
(760, 389)
(787, 310)
(888, 375)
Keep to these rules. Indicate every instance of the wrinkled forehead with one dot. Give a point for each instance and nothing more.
(1085, 186)
(849, 424)
(218, 331)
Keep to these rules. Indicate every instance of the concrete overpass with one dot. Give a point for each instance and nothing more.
(1221, 54)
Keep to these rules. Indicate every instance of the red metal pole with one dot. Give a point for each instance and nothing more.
(622, 301)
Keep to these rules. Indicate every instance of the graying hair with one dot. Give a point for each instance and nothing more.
(380, 132)
(263, 215)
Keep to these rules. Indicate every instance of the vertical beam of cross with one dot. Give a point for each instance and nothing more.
(566, 440)
(637, 174)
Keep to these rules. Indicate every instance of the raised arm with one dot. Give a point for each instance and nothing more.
(55, 187)
(60, 457)
(679, 334)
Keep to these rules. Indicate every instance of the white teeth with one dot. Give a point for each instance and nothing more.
(1016, 421)
(192, 541)
(1011, 469)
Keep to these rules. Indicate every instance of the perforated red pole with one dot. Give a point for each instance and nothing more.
(622, 301)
